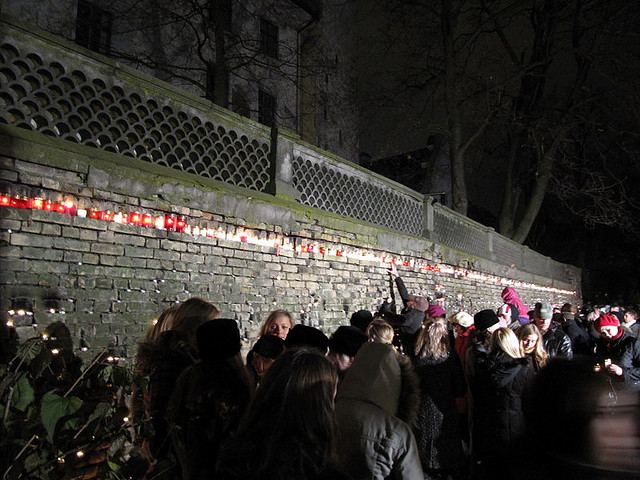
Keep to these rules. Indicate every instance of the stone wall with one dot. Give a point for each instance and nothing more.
(263, 252)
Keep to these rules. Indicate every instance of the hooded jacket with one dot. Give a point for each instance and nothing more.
(510, 296)
(375, 443)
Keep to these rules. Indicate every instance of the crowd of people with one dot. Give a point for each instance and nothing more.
(406, 392)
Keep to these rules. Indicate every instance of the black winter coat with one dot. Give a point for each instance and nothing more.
(436, 428)
(624, 352)
(500, 419)
(578, 336)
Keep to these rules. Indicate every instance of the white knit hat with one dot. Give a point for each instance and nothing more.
(462, 318)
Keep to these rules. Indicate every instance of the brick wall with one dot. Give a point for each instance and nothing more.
(112, 279)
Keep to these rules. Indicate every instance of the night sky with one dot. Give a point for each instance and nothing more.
(541, 70)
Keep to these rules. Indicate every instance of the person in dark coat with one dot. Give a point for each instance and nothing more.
(505, 407)
(209, 399)
(375, 408)
(441, 381)
(414, 306)
(631, 323)
(618, 352)
(289, 430)
(556, 342)
(578, 336)
(165, 358)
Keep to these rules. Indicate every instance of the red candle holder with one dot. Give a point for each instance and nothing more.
(70, 208)
(19, 202)
(59, 207)
(5, 200)
(49, 206)
(107, 216)
(95, 214)
(181, 224)
(36, 203)
(135, 218)
(170, 223)
(147, 220)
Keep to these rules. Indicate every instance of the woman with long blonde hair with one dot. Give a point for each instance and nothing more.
(532, 346)
(441, 380)
(501, 423)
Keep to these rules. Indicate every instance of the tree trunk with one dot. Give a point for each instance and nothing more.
(456, 154)
(543, 175)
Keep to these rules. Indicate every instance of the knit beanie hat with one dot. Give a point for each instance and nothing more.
(361, 319)
(485, 319)
(606, 321)
(435, 311)
(463, 319)
(304, 335)
(269, 346)
(218, 339)
(347, 340)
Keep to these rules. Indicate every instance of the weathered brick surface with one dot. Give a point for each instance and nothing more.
(113, 279)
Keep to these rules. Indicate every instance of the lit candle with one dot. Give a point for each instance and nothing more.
(181, 224)
(147, 220)
(5, 200)
(36, 203)
(170, 222)
(135, 218)
(158, 222)
(107, 216)
(70, 208)
(19, 202)
(59, 207)
(94, 213)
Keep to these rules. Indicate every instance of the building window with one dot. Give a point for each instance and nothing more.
(266, 109)
(220, 13)
(93, 27)
(268, 38)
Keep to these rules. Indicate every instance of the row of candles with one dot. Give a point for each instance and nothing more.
(178, 223)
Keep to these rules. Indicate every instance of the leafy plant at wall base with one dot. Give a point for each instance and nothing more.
(59, 421)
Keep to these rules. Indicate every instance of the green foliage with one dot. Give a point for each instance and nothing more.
(58, 420)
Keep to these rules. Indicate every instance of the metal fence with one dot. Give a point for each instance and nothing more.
(59, 89)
